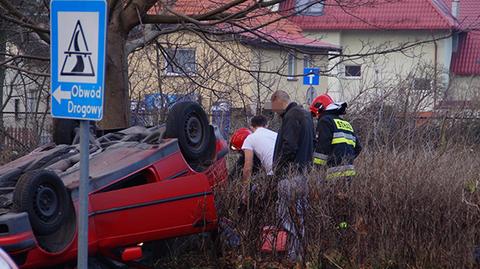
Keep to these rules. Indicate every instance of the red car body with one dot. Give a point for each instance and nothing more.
(137, 194)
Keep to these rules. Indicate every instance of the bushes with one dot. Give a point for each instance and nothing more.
(410, 209)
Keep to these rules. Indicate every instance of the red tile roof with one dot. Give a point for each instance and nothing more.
(466, 61)
(267, 26)
(383, 14)
(469, 13)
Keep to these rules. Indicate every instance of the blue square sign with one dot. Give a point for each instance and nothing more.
(78, 38)
(311, 76)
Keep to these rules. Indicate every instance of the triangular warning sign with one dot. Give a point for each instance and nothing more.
(78, 60)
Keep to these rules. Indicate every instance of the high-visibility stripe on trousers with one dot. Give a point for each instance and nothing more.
(320, 159)
(341, 171)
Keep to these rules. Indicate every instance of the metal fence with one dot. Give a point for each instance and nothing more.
(18, 141)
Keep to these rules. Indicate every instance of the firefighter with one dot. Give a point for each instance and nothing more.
(336, 145)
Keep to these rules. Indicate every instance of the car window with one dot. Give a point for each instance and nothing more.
(137, 179)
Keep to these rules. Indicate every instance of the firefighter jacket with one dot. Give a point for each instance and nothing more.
(336, 145)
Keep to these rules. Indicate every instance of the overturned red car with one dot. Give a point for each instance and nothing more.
(146, 184)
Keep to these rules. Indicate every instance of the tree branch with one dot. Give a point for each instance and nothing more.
(23, 21)
(27, 71)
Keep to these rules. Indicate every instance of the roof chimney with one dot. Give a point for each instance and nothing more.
(455, 8)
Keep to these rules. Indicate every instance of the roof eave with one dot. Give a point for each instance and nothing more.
(284, 45)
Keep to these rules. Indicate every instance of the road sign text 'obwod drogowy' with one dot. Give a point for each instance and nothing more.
(78, 59)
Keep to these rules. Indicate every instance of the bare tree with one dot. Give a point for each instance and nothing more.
(123, 17)
(134, 24)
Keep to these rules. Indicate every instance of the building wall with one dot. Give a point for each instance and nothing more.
(226, 70)
(277, 61)
(385, 70)
(218, 73)
(25, 102)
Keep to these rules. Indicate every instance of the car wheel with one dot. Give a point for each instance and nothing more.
(188, 123)
(43, 196)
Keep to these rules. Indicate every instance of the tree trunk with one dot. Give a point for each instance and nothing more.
(116, 112)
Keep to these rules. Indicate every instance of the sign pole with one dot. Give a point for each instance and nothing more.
(311, 94)
(77, 48)
(83, 195)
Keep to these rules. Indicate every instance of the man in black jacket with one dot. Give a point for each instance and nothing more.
(294, 144)
(292, 158)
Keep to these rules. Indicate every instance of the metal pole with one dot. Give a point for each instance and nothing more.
(83, 196)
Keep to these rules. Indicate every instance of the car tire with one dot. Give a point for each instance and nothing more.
(188, 122)
(44, 197)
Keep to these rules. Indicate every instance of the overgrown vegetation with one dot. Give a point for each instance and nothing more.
(415, 203)
(408, 209)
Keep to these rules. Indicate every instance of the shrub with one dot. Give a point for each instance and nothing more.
(410, 209)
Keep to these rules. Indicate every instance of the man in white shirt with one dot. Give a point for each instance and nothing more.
(262, 144)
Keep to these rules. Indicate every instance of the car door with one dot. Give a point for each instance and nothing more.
(154, 210)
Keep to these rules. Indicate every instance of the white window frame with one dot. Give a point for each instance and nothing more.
(291, 66)
(352, 77)
(275, 7)
(31, 101)
(314, 10)
(179, 74)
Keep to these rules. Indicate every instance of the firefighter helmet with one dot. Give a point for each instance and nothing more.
(238, 137)
(320, 103)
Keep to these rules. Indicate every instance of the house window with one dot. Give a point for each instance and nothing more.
(455, 41)
(275, 7)
(291, 66)
(31, 101)
(353, 71)
(307, 61)
(422, 84)
(309, 7)
(16, 108)
(180, 61)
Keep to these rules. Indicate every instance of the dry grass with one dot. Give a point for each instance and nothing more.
(408, 209)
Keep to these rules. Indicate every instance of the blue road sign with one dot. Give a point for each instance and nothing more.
(78, 38)
(311, 76)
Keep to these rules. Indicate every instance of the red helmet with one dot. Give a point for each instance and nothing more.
(236, 141)
(320, 103)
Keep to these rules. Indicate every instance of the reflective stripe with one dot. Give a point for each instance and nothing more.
(341, 171)
(319, 161)
(344, 135)
(320, 156)
(340, 168)
(342, 174)
(343, 140)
